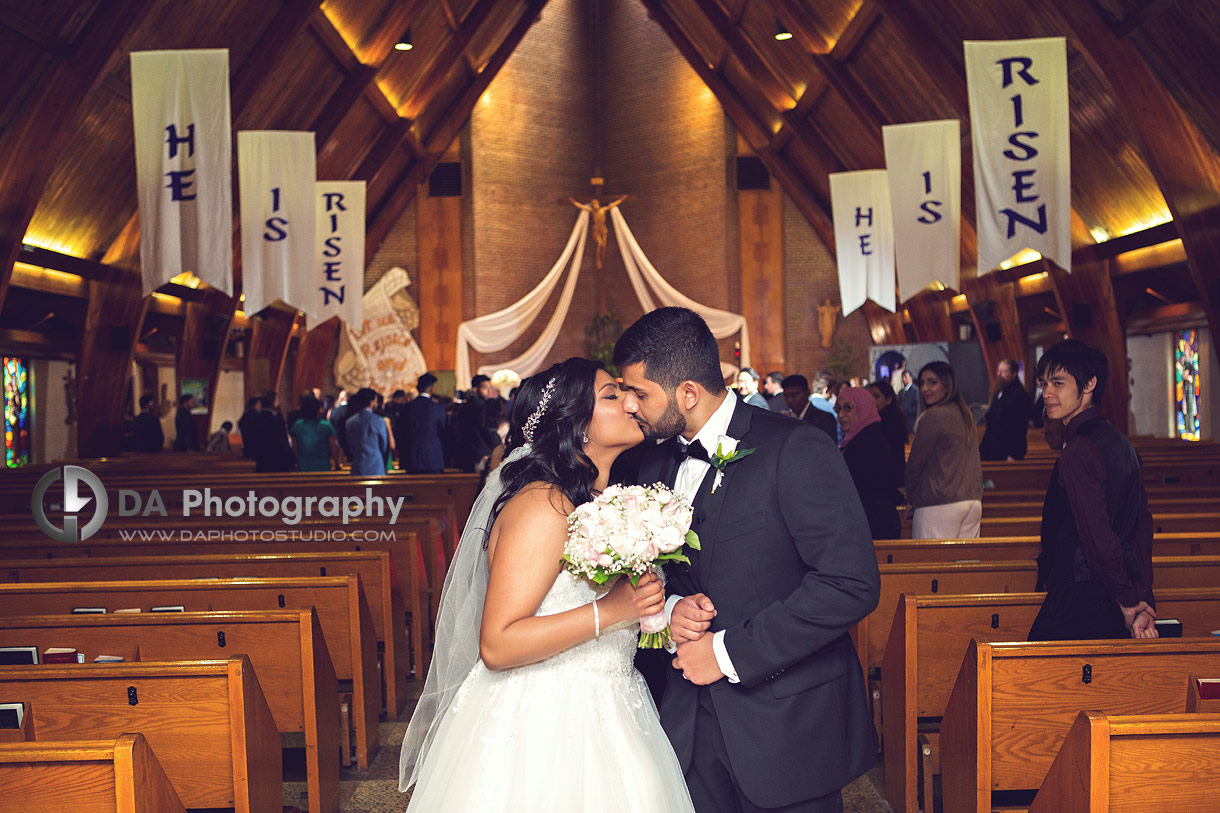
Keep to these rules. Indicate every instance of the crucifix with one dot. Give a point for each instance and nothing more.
(598, 210)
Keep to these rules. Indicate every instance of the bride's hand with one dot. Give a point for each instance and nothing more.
(629, 603)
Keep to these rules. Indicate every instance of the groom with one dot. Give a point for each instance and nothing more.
(766, 705)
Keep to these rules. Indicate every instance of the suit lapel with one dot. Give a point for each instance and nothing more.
(708, 505)
(660, 465)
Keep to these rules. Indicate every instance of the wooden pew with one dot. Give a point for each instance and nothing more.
(1109, 764)
(339, 601)
(375, 569)
(928, 639)
(285, 648)
(1201, 521)
(901, 551)
(962, 578)
(207, 721)
(89, 776)
(1012, 705)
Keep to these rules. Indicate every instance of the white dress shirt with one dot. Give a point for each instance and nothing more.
(687, 482)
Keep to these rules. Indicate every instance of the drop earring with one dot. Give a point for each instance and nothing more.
(584, 437)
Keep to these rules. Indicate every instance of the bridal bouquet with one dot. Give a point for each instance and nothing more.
(626, 531)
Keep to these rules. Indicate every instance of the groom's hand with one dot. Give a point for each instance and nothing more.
(697, 660)
(690, 618)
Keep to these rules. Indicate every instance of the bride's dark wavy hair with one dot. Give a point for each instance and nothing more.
(556, 453)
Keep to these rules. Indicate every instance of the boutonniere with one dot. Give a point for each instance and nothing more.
(726, 453)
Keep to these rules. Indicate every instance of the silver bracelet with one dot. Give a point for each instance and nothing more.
(597, 621)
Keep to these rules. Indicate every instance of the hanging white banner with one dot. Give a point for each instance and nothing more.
(277, 174)
(1022, 166)
(386, 358)
(335, 288)
(184, 165)
(924, 162)
(864, 237)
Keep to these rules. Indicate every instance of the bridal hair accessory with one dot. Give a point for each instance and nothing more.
(531, 423)
(628, 531)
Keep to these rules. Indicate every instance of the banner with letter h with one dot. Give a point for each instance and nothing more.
(1022, 162)
(184, 165)
(864, 238)
(277, 174)
(924, 162)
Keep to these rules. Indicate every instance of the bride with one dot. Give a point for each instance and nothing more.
(532, 701)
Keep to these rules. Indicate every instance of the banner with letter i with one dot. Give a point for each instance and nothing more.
(1022, 157)
(184, 165)
(277, 173)
(337, 285)
(864, 238)
(924, 162)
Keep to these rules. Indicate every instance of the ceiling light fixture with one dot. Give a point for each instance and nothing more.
(404, 43)
(782, 33)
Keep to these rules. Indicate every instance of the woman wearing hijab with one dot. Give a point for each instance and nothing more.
(870, 459)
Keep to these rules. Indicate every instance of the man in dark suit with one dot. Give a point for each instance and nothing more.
(773, 391)
(268, 437)
(426, 421)
(149, 435)
(1007, 418)
(766, 705)
(908, 400)
(747, 388)
(186, 431)
(474, 440)
(796, 394)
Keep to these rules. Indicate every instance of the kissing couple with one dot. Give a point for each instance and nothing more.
(532, 702)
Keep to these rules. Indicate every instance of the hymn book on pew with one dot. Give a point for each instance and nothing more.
(170, 608)
(11, 715)
(61, 654)
(18, 655)
(108, 659)
(1209, 688)
(88, 610)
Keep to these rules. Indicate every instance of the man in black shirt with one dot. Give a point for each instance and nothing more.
(149, 435)
(1007, 418)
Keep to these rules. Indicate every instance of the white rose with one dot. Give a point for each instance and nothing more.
(726, 445)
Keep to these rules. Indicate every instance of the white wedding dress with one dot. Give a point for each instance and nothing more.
(576, 733)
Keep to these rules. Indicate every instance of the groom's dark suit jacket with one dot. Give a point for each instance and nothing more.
(788, 561)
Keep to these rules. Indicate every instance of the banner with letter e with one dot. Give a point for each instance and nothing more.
(184, 165)
(864, 238)
(1022, 157)
(277, 171)
(924, 162)
(337, 284)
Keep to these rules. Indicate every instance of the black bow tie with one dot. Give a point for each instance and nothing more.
(693, 450)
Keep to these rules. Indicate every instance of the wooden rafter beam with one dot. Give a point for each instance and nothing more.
(756, 65)
(434, 147)
(288, 22)
(380, 43)
(1182, 161)
(340, 104)
(449, 53)
(30, 147)
(948, 69)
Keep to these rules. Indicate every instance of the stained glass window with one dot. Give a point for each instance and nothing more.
(1186, 383)
(16, 413)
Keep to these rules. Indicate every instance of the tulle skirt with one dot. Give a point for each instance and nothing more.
(556, 736)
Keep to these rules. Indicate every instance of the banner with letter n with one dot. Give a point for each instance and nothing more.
(337, 285)
(1022, 155)
(277, 172)
(864, 238)
(924, 162)
(184, 165)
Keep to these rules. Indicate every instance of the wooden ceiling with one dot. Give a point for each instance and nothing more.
(1144, 90)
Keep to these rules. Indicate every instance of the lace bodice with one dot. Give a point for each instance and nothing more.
(613, 652)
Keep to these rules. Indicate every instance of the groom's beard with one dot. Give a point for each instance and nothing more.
(672, 422)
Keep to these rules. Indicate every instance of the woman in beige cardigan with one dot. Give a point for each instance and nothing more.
(944, 477)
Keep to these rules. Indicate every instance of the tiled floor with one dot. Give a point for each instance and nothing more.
(377, 788)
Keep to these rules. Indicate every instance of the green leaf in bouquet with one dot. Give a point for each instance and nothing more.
(692, 539)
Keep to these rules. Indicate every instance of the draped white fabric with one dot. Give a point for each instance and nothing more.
(496, 331)
(864, 238)
(184, 165)
(277, 173)
(334, 288)
(643, 275)
(924, 162)
(1022, 163)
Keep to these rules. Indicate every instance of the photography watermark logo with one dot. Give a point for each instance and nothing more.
(78, 482)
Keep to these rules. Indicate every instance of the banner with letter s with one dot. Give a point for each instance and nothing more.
(864, 238)
(338, 281)
(184, 165)
(924, 162)
(1022, 157)
(277, 172)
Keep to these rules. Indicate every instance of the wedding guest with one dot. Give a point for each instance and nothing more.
(218, 441)
(773, 391)
(870, 459)
(796, 395)
(269, 437)
(908, 399)
(944, 478)
(893, 422)
(186, 433)
(747, 387)
(150, 437)
(367, 435)
(313, 438)
(474, 440)
(426, 423)
(1007, 417)
(243, 427)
